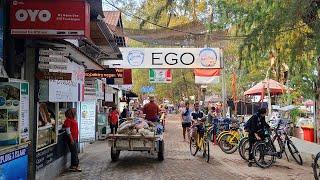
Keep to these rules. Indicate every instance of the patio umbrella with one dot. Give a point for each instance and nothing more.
(260, 88)
(309, 103)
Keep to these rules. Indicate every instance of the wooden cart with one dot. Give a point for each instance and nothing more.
(122, 142)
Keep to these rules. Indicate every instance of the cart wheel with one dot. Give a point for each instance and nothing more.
(115, 155)
(161, 151)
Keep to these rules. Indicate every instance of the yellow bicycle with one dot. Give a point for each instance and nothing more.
(202, 142)
(229, 142)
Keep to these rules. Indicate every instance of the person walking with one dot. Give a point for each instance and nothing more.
(71, 127)
(256, 127)
(113, 119)
(186, 121)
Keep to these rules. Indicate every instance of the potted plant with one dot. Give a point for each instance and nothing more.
(296, 131)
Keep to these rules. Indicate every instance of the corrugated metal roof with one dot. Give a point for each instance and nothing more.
(112, 17)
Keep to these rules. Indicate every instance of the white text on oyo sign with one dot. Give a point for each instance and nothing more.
(41, 15)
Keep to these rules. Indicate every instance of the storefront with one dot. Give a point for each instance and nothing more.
(60, 86)
(50, 48)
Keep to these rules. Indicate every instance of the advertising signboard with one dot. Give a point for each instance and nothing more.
(160, 76)
(87, 121)
(14, 164)
(147, 89)
(168, 58)
(59, 19)
(106, 73)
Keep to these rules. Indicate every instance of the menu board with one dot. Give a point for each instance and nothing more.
(87, 121)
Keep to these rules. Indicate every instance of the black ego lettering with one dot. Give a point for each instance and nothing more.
(174, 60)
(155, 58)
(184, 60)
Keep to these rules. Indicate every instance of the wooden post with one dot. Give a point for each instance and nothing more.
(317, 104)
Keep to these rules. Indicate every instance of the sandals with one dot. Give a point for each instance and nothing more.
(75, 169)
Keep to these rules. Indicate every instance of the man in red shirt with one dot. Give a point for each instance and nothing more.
(71, 127)
(151, 110)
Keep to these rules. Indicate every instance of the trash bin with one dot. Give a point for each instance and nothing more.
(308, 133)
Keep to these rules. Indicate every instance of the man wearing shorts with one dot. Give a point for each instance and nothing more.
(186, 120)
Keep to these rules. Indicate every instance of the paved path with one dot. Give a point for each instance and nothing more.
(178, 164)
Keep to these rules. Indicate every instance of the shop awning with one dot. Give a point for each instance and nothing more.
(83, 58)
(76, 53)
(103, 37)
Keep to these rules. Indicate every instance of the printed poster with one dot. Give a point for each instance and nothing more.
(9, 113)
(24, 112)
(87, 121)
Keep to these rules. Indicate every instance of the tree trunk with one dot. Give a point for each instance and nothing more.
(317, 119)
(194, 14)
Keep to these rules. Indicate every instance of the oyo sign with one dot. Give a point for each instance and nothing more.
(168, 58)
(41, 15)
(57, 19)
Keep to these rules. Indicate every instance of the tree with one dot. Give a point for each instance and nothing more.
(287, 28)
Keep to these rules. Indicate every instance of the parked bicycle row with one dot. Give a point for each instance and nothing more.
(256, 142)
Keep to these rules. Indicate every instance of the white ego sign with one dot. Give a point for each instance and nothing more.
(168, 58)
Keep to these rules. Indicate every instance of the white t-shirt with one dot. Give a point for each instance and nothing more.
(186, 115)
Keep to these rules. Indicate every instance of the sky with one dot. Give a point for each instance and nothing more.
(107, 7)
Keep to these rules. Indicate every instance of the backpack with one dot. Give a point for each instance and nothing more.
(114, 117)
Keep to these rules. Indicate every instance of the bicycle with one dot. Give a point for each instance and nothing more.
(267, 148)
(316, 167)
(243, 148)
(202, 142)
(229, 142)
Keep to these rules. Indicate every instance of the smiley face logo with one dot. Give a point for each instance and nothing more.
(135, 58)
(208, 57)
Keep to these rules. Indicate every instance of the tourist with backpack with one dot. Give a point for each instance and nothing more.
(113, 119)
(256, 127)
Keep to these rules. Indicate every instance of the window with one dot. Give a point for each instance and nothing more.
(47, 126)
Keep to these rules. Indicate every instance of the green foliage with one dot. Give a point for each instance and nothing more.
(284, 27)
(294, 114)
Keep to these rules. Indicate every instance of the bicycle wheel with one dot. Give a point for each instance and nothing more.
(193, 147)
(263, 154)
(316, 167)
(244, 148)
(219, 136)
(206, 150)
(228, 143)
(294, 152)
